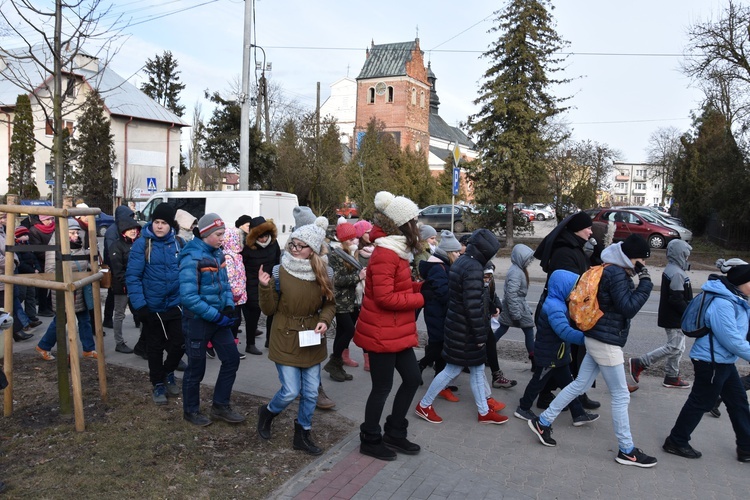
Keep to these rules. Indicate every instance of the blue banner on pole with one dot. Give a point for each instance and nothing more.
(456, 178)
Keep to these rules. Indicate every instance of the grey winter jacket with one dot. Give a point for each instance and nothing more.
(516, 311)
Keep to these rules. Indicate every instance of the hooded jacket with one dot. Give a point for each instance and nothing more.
(112, 234)
(204, 285)
(119, 254)
(676, 289)
(619, 299)
(554, 332)
(152, 276)
(233, 243)
(387, 321)
(467, 322)
(515, 310)
(728, 318)
(75, 266)
(435, 290)
(254, 256)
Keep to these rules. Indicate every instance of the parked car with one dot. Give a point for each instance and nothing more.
(530, 214)
(542, 211)
(627, 223)
(348, 210)
(103, 221)
(654, 215)
(439, 217)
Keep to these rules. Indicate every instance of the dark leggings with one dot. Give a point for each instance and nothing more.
(433, 353)
(344, 331)
(382, 367)
(252, 316)
(492, 355)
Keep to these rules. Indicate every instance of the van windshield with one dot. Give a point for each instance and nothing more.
(146, 212)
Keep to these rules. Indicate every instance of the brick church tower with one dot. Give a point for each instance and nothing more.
(393, 87)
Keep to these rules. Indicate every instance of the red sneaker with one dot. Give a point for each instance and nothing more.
(448, 395)
(428, 413)
(492, 418)
(495, 405)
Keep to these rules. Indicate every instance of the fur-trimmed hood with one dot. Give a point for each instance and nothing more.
(258, 231)
(385, 224)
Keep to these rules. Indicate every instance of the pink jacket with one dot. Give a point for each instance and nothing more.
(233, 241)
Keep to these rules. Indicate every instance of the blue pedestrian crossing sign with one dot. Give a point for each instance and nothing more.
(151, 184)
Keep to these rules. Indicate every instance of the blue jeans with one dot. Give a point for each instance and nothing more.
(49, 339)
(297, 381)
(477, 380)
(528, 336)
(710, 383)
(614, 377)
(197, 333)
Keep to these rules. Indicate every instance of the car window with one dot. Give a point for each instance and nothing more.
(430, 210)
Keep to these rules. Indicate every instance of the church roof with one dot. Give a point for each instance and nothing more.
(441, 130)
(388, 59)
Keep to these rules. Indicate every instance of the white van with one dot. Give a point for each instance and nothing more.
(230, 205)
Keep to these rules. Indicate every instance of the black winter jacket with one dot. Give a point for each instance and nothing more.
(436, 292)
(467, 323)
(119, 252)
(620, 300)
(567, 253)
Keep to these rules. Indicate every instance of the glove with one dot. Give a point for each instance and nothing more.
(224, 321)
(227, 311)
(642, 271)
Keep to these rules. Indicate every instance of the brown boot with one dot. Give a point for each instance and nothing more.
(335, 368)
(347, 360)
(324, 402)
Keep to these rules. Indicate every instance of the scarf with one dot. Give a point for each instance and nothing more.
(299, 268)
(396, 244)
(45, 228)
(263, 245)
(366, 252)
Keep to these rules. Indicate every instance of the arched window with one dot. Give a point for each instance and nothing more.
(390, 94)
(421, 99)
(414, 96)
(371, 95)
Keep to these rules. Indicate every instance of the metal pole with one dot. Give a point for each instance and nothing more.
(245, 101)
(453, 209)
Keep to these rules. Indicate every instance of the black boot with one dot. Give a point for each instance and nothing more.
(587, 403)
(302, 441)
(373, 446)
(21, 336)
(265, 417)
(401, 444)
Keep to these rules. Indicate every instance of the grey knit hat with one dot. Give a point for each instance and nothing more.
(426, 231)
(303, 216)
(448, 242)
(208, 224)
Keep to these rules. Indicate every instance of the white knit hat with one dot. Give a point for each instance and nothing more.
(312, 234)
(397, 208)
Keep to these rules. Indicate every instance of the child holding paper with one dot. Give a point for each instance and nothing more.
(302, 305)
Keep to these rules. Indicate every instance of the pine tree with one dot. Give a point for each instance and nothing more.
(94, 149)
(516, 104)
(21, 161)
(163, 84)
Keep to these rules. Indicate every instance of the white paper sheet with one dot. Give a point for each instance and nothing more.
(309, 338)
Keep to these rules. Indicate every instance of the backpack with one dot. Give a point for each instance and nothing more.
(583, 305)
(693, 322)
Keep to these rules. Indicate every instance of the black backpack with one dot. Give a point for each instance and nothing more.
(693, 319)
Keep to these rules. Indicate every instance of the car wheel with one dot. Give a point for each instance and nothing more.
(656, 241)
(540, 217)
(458, 227)
(102, 231)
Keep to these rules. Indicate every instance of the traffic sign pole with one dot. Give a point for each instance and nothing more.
(456, 179)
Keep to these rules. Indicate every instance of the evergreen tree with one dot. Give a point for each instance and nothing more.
(516, 104)
(21, 161)
(94, 149)
(163, 83)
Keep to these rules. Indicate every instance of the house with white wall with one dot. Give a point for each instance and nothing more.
(638, 184)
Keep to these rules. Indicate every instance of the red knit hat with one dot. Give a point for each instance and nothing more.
(345, 232)
(21, 230)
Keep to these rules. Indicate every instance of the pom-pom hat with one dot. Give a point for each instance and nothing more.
(345, 232)
(303, 216)
(312, 234)
(362, 227)
(243, 219)
(397, 208)
(21, 231)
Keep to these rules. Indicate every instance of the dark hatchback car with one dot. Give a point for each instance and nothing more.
(103, 221)
(439, 217)
(627, 223)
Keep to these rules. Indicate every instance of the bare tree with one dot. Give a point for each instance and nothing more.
(663, 149)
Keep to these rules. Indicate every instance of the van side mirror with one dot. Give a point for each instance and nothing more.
(137, 215)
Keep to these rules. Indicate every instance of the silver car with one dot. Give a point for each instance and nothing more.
(542, 211)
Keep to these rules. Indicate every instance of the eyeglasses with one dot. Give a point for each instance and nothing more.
(296, 247)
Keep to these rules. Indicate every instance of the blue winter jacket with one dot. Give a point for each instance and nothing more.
(204, 283)
(727, 316)
(152, 276)
(554, 333)
(435, 291)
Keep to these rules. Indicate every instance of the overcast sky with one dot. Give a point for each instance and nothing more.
(625, 56)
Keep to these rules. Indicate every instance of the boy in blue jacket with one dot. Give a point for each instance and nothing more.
(208, 316)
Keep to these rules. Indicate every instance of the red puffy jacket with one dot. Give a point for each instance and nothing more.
(387, 321)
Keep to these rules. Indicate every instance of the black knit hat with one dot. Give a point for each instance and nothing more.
(242, 220)
(635, 247)
(739, 275)
(257, 221)
(165, 212)
(579, 221)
